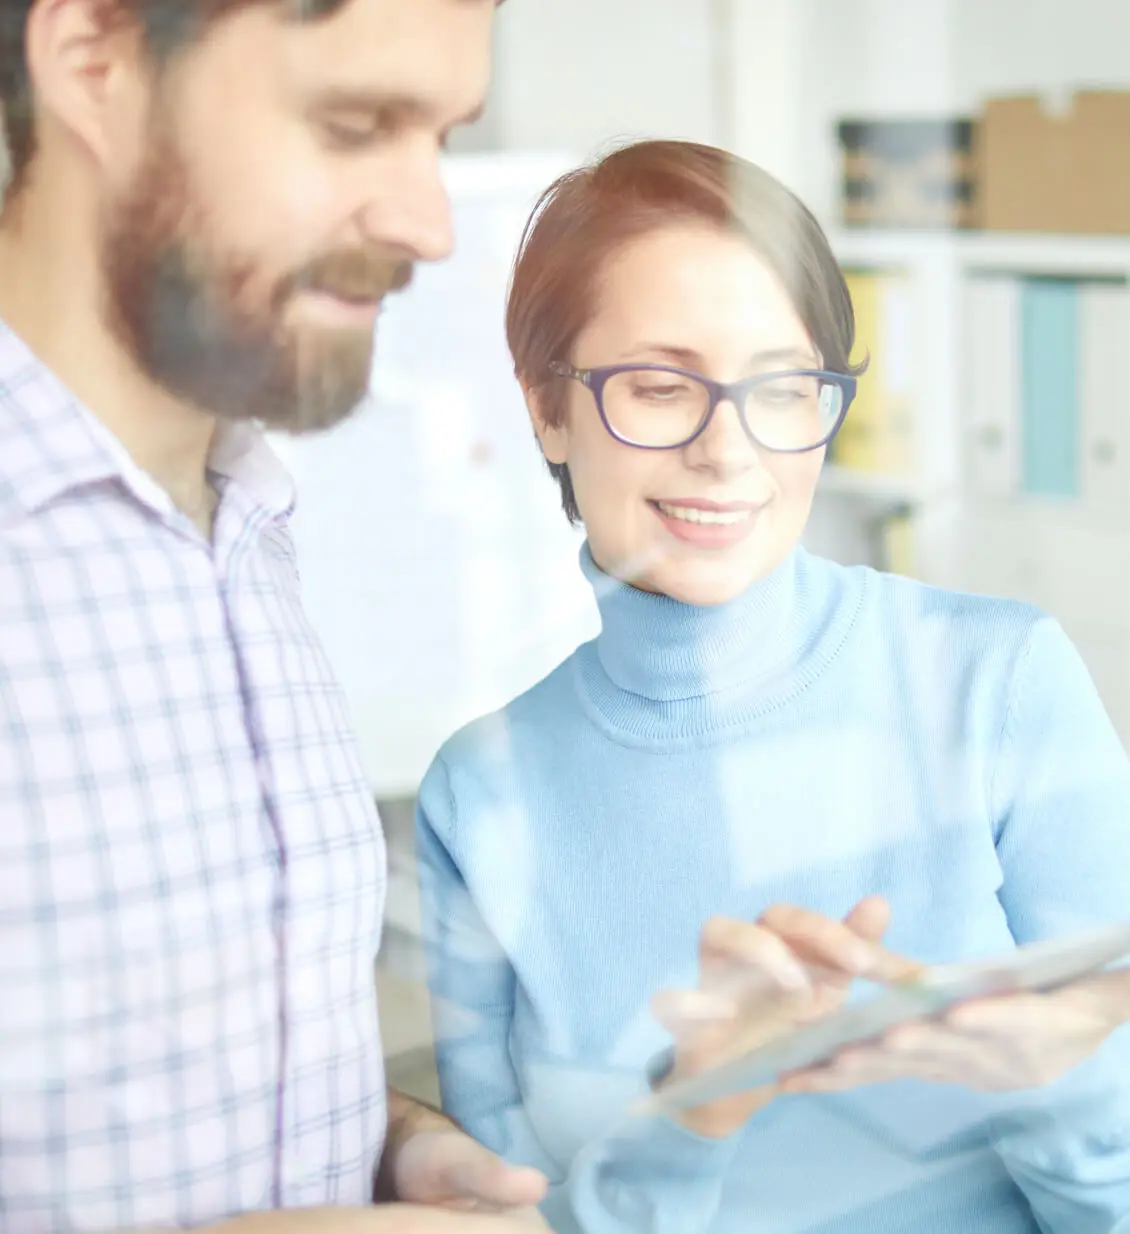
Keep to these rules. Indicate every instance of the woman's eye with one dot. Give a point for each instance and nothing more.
(659, 392)
(791, 392)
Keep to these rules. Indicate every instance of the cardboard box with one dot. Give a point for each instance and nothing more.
(1041, 171)
(908, 173)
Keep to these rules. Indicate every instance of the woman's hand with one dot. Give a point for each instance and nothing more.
(996, 1044)
(759, 981)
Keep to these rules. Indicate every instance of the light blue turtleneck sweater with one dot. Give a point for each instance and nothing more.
(831, 734)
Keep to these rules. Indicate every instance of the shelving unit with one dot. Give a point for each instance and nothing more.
(932, 261)
(940, 265)
(1015, 252)
(874, 487)
(1070, 556)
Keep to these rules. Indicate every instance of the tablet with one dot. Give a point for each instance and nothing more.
(1034, 967)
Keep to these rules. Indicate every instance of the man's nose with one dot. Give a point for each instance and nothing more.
(410, 210)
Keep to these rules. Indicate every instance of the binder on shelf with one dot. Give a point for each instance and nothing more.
(878, 433)
(1049, 387)
(1104, 397)
(993, 384)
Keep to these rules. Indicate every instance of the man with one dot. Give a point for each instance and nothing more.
(209, 200)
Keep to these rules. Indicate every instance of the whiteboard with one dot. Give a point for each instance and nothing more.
(436, 563)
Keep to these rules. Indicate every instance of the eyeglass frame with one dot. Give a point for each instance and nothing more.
(595, 379)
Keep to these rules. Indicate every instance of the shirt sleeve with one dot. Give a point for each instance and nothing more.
(647, 1176)
(1060, 801)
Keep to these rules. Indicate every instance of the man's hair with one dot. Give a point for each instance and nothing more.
(587, 216)
(168, 26)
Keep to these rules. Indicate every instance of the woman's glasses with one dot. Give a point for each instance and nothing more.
(656, 407)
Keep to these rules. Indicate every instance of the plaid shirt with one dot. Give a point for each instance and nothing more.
(192, 872)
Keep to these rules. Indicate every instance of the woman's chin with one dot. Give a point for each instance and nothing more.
(704, 578)
(702, 584)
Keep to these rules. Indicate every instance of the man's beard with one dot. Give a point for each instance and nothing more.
(202, 323)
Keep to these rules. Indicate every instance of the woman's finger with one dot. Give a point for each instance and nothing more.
(915, 1037)
(680, 1010)
(1001, 1044)
(821, 940)
(870, 918)
(941, 1054)
(1069, 1013)
(875, 1065)
(731, 950)
(1002, 1016)
(1109, 994)
(841, 1076)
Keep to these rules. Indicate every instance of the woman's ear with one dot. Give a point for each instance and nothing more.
(553, 437)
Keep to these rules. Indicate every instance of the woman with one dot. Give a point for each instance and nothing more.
(756, 727)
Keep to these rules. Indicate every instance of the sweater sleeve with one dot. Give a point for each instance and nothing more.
(647, 1176)
(1060, 801)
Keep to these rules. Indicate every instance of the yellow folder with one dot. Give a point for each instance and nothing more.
(878, 433)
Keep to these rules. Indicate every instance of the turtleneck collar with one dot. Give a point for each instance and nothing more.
(661, 668)
(663, 649)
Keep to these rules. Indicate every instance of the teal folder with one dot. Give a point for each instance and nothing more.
(1049, 378)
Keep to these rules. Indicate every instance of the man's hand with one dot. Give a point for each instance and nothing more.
(428, 1160)
(380, 1219)
(447, 1168)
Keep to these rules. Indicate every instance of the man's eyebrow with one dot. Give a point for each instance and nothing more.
(403, 107)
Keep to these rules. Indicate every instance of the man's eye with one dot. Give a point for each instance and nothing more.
(344, 136)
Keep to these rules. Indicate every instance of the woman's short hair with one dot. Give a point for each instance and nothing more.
(586, 216)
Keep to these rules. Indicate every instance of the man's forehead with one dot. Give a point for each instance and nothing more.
(374, 27)
(436, 52)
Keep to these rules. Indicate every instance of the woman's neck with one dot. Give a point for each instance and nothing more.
(661, 669)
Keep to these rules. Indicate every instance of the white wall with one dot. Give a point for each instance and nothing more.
(436, 563)
(574, 74)
(1040, 44)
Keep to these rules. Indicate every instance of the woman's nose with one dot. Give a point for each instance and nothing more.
(724, 446)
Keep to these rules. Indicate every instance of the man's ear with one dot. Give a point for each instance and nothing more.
(553, 437)
(89, 73)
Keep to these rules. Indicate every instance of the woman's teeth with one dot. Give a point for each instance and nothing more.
(691, 514)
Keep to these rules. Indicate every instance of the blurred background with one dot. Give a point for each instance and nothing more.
(970, 160)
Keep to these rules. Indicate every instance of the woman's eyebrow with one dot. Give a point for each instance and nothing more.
(786, 355)
(687, 357)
